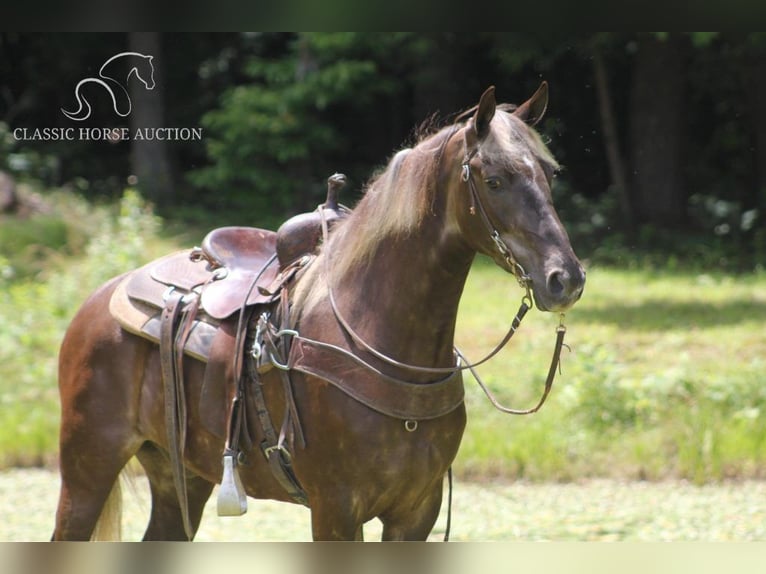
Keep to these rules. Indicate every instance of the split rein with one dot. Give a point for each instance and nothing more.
(462, 363)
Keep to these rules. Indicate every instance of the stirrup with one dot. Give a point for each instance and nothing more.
(232, 500)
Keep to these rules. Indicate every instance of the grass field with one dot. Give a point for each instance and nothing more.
(664, 377)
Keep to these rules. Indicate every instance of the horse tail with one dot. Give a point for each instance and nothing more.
(109, 524)
(84, 109)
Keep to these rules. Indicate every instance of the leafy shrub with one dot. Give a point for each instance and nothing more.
(34, 314)
(720, 234)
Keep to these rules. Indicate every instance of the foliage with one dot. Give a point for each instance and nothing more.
(273, 141)
(34, 313)
(282, 111)
(721, 235)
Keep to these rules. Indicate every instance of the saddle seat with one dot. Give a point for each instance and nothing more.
(244, 249)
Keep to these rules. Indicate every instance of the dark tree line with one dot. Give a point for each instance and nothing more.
(662, 135)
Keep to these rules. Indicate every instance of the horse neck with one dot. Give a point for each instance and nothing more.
(404, 299)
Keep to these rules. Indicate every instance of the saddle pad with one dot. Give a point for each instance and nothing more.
(208, 342)
(144, 320)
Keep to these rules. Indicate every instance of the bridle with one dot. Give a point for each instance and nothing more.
(505, 251)
(461, 363)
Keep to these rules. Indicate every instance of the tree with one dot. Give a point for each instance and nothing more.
(614, 155)
(657, 129)
(758, 99)
(304, 114)
(149, 158)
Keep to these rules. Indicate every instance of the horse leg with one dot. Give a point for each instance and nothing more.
(413, 524)
(99, 372)
(166, 521)
(332, 519)
(90, 468)
(84, 491)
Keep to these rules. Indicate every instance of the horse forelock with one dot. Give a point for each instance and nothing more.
(513, 144)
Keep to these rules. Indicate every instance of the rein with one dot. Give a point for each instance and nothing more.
(462, 363)
(526, 302)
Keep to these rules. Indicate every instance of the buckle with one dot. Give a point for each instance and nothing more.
(256, 350)
(283, 452)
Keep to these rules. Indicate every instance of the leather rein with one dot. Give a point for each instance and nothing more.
(462, 363)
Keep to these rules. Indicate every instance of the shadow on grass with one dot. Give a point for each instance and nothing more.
(655, 314)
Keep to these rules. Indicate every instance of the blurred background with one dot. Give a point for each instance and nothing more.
(662, 135)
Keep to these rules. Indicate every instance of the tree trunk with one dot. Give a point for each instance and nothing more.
(759, 73)
(611, 138)
(150, 159)
(656, 131)
(9, 200)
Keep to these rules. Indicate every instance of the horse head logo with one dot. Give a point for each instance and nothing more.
(139, 64)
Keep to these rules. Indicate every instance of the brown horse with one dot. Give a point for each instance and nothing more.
(393, 272)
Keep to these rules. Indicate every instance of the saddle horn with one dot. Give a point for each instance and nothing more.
(302, 233)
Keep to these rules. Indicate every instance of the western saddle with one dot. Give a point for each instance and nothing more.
(207, 302)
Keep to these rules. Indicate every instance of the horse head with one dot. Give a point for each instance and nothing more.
(503, 205)
(146, 75)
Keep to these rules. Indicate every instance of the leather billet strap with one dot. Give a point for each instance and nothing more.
(279, 348)
(273, 448)
(175, 400)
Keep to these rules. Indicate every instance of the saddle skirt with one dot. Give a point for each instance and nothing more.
(234, 268)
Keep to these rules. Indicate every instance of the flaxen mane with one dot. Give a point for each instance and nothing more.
(397, 199)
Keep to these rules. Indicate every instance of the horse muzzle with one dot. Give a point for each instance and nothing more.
(560, 289)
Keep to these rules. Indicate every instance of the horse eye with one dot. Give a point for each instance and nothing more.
(493, 182)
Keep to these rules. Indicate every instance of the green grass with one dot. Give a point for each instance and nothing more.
(664, 377)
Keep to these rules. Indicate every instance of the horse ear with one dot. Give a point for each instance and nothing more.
(533, 109)
(485, 111)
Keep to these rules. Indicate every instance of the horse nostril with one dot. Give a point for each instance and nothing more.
(556, 283)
